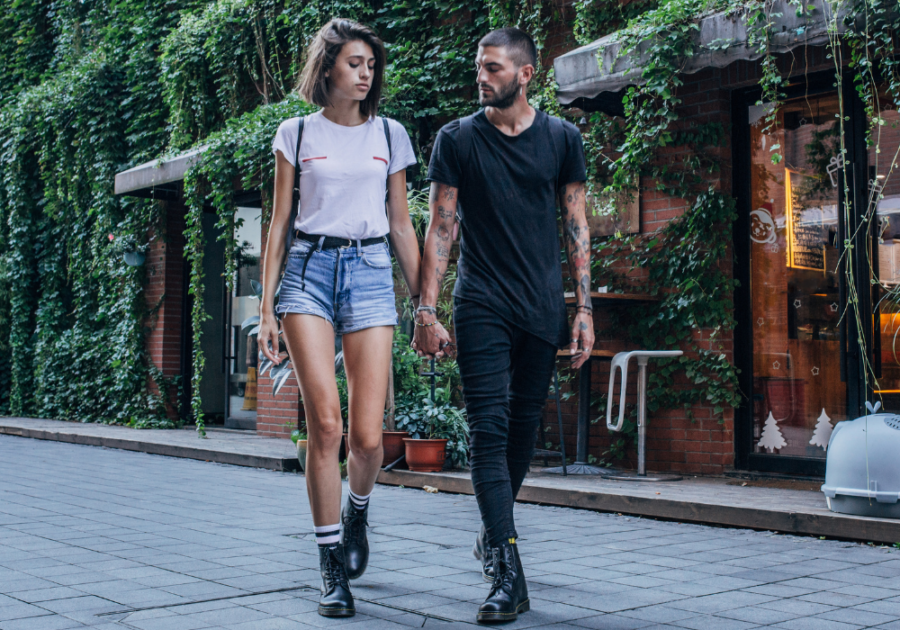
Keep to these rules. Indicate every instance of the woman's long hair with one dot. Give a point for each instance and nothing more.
(323, 53)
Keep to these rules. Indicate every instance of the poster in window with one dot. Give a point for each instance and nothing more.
(809, 222)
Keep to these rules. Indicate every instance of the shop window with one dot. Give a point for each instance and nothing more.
(884, 194)
(798, 394)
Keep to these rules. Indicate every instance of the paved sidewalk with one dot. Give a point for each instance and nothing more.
(93, 537)
(713, 500)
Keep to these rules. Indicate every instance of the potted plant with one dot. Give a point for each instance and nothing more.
(406, 386)
(298, 437)
(392, 442)
(438, 432)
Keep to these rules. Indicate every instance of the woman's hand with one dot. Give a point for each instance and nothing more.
(267, 338)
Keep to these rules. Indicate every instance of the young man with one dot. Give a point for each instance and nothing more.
(502, 170)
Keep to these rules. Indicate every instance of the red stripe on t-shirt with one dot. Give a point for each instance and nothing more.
(324, 157)
(382, 159)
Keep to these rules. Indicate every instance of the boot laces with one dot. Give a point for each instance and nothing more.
(335, 572)
(503, 576)
(355, 524)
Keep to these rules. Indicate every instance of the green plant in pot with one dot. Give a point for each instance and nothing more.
(438, 431)
(407, 386)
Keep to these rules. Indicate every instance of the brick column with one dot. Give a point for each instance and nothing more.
(164, 293)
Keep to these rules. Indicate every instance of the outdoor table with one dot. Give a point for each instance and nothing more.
(598, 300)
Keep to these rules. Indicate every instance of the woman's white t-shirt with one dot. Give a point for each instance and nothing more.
(343, 173)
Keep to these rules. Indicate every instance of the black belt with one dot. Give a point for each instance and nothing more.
(333, 242)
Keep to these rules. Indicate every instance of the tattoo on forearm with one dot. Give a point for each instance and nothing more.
(445, 213)
(449, 194)
(577, 240)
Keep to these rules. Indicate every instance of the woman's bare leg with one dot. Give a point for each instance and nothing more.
(367, 359)
(310, 342)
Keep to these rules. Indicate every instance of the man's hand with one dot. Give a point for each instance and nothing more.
(582, 339)
(430, 340)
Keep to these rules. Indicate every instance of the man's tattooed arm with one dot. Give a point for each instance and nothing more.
(577, 239)
(578, 250)
(438, 241)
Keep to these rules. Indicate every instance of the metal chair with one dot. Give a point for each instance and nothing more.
(620, 362)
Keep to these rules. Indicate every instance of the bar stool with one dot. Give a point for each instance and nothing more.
(620, 362)
(581, 465)
(543, 452)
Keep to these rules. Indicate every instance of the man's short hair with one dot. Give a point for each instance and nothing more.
(518, 44)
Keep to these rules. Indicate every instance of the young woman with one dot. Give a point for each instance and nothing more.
(338, 280)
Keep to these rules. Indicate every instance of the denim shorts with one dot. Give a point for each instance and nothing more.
(352, 288)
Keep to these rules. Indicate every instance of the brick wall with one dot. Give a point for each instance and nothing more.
(277, 416)
(703, 444)
(164, 294)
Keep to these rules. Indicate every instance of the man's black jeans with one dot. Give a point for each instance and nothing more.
(505, 375)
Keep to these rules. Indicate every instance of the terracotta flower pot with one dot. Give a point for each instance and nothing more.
(393, 446)
(301, 453)
(425, 455)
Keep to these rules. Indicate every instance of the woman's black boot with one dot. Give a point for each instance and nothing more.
(509, 593)
(336, 600)
(482, 552)
(354, 540)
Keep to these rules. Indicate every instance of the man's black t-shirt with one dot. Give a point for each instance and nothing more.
(509, 244)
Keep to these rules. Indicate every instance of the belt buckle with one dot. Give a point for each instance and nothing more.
(348, 245)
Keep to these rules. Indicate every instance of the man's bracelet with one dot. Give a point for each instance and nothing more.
(585, 307)
(426, 325)
(426, 309)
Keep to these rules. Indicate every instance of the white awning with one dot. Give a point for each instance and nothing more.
(721, 39)
(157, 178)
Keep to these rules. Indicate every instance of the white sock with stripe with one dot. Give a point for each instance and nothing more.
(359, 502)
(328, 535)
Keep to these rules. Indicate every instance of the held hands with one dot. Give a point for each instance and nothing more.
(431, 339)
(268, 337)
(582, 339)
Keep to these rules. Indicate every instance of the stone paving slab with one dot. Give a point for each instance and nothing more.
(109, 539)
(714, 500)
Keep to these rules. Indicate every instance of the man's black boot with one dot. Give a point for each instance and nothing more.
(509, 593)
(354, 540)
(336, 600)
(482, 552)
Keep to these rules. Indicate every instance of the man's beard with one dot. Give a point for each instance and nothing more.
(504, 99)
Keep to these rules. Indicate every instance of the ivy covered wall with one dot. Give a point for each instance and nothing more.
(93, 87)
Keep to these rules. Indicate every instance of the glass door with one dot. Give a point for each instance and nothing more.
(242, 350)
(884, 197)
(798, 390)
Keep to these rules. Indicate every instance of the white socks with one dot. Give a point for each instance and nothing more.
(359, 502)
(328, 535)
